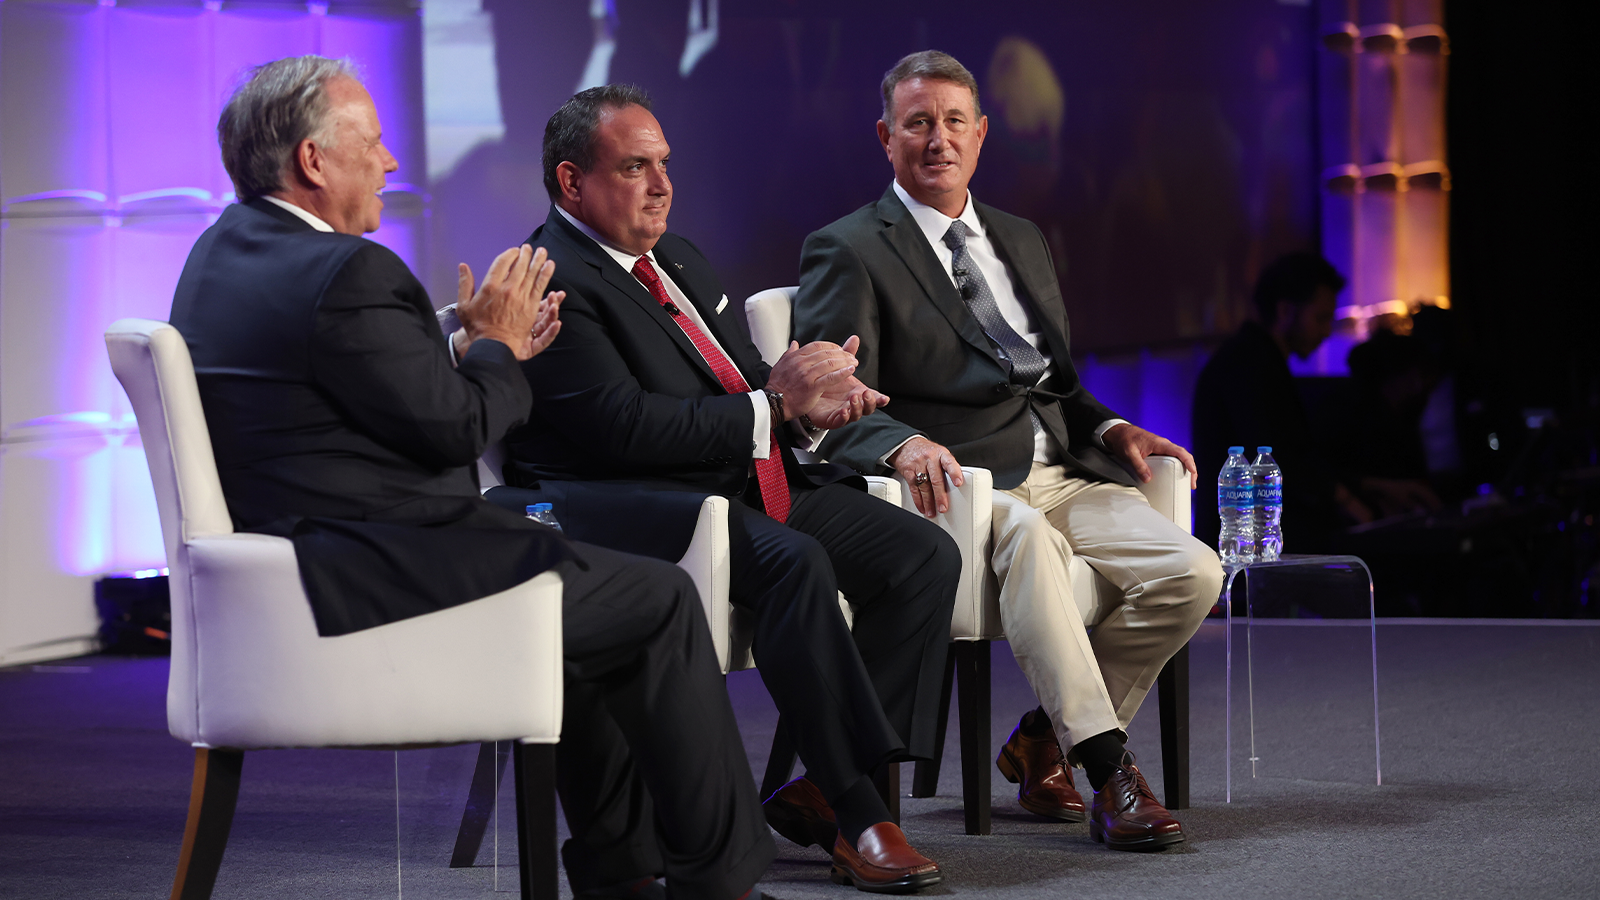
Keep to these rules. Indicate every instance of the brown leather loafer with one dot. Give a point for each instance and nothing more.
(1043, 777)
(1127, 816)
(882, 862)
(798, 812)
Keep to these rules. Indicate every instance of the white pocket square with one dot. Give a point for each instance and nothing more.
(723, 304)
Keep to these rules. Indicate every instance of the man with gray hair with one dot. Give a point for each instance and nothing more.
(961, 320)
(342, 420)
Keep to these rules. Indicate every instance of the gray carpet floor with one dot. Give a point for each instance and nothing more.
(1489, 736)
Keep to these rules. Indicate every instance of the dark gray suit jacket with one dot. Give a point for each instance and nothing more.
(873, 274)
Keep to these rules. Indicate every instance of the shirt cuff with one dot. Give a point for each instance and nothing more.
(805, 440)
(884, 459)
(761, 437)
(1100, 433)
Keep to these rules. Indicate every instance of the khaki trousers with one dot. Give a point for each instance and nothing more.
(1092, 668)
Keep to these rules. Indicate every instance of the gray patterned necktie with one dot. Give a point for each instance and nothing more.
(1026, 364)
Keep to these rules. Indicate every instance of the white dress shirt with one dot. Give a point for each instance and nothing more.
(934, 224)
(304, 216)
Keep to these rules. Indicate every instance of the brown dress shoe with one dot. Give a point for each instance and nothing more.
(798, 812)
(882, 862)
(1045, 779)
(1127, 816)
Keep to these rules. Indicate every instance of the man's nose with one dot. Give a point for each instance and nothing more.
(938, 137)
(660, 184)
(390, 164)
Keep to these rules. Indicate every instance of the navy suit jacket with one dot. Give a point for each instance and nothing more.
(337, 419)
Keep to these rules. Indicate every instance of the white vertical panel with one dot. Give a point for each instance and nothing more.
(162, 101)
(46, 596)
(54, 104)
(55, 285)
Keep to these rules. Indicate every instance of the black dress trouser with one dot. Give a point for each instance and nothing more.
(852, 698)
(651, 771)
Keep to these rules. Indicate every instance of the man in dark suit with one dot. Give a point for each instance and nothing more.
(338, 420)
(650, 391)
(960, 319)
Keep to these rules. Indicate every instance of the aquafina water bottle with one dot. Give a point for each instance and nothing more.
(1236, 543)
(1269, 505)
(544, 514)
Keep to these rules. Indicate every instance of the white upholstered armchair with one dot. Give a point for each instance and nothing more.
(249, 670)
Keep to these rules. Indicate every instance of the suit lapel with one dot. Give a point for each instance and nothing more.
(703, 297)
(903, 234)
(1014, 247)
(624, 283)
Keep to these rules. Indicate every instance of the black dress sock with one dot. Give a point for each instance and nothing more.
(1100, 756)
(859, 808)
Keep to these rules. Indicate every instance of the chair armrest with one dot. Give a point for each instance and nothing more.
(1168, 490)
(969, 520)
(885, 488)
(255, 673)
(708, 564)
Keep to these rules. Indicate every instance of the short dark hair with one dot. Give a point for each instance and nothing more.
(569, 135)
(276, 106)
(933, 65)
(1294, 278)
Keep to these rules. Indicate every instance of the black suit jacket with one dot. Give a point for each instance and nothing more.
(623, 400)
(873, 274)
(337, 419)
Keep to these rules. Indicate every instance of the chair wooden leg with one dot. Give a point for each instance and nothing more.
(780, 761)
(534, 766)
(212, 798)
(887, 780)
(487, 777)
(1172, 690)
(972, 695)
(925, 774)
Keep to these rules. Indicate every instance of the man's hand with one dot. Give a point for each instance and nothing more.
(507, 308)
(922, 457)
(844, 403)
(1131, 444)
(803, 374)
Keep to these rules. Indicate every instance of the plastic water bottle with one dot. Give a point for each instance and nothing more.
(1236, 505)
(1269, 505)
(544, 514)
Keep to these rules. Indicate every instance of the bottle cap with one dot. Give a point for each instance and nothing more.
(1263, 449)
(537, 507)
(1234, 451)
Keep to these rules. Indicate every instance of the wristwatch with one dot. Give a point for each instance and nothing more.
(775, 402)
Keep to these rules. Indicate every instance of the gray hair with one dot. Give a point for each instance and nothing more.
(934, 66)
(569, 135)
(278, 105)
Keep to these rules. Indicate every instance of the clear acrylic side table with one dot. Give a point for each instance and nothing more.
(1291, 583)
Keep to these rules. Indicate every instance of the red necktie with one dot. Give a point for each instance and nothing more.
(769, 471)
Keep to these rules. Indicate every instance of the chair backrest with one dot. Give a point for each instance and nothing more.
(152, 361)
(770, 314)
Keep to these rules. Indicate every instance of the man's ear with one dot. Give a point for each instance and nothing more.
(569, 179)
(883, 135)
(310, 163)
